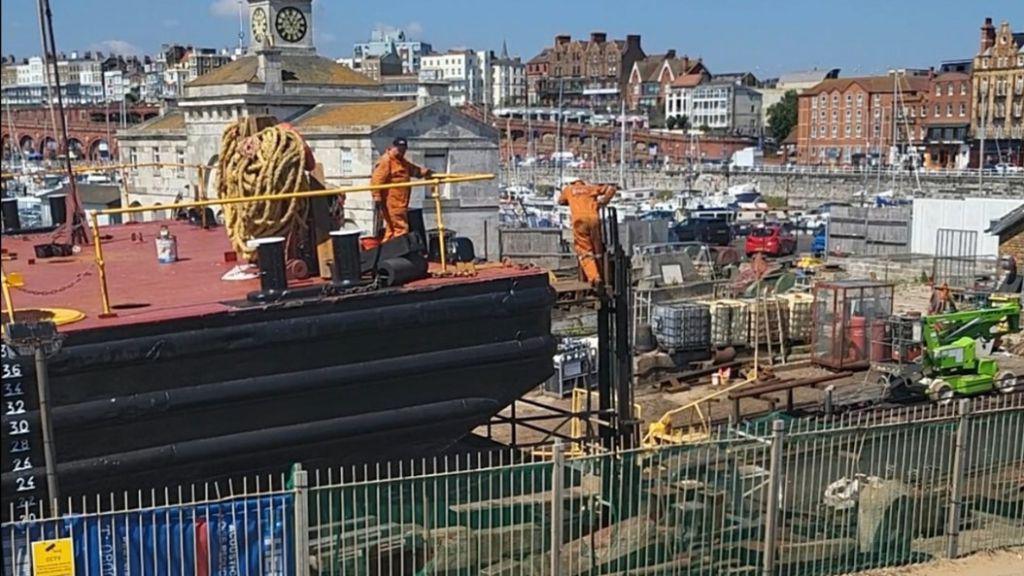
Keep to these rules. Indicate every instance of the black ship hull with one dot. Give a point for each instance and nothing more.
(361, 378)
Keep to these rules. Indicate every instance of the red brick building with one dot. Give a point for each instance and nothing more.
(849, 121)
(651, 78)
(586, 73)
(948, 121)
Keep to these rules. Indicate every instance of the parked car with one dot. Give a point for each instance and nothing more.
(772, 240)
(707, 230)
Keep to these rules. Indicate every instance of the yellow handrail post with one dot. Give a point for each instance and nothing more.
(100, 265)
(201, 191)
(7, 296)
(442, 247)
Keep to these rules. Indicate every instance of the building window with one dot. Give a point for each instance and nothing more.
(949, 89)
(814, 131)
(180, 168)
(938, 89)
(846, 130)
(938, 111)
(346, 161)
(156, 155)
(133, 155)
(949, 110)
(858, 129)
(849, 100)
(963, 88)
(963, 109)
(860, 100)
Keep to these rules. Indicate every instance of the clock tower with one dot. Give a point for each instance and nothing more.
(286, 25)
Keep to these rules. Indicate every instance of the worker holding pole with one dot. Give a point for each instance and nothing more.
(393, 204)
(584, 201)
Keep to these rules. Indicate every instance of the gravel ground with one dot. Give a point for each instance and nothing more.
(997, 563)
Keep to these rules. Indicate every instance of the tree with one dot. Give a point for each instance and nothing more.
(671, 123)
(782, 116)
(682, 122)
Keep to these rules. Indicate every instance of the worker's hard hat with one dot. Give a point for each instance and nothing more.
(400, 142)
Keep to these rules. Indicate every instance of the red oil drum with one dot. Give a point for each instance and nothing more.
(857, 339)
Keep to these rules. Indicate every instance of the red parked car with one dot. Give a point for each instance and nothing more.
(771, 240)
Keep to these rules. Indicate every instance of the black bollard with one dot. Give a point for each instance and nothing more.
(345, 268)
(270, 254)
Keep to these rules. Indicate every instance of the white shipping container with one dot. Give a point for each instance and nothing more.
(977, 214)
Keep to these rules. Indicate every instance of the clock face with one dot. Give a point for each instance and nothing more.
(259, 25)
(290, 24)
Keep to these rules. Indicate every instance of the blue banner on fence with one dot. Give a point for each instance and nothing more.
(244, 537)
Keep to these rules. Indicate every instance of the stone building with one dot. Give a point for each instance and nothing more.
(345, 115)
(584, 73)
(998, 94)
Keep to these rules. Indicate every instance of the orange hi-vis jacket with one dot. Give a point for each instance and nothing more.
(391, 169)
(584, 200)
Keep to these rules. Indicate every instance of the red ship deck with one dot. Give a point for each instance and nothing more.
(143, 290)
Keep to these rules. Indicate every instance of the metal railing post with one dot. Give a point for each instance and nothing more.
(100, 266)
(300, 482)
(557, 497)
(442, 247)
(955, 507)
(774, 496)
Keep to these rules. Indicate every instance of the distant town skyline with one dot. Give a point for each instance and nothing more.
(767, 39)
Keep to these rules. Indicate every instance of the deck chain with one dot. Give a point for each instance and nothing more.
(78, 278)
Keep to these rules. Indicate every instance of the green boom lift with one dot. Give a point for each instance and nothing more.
(954, 350)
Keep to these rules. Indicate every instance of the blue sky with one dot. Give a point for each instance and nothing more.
(766, 37)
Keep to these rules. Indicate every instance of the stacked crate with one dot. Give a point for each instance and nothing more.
(729, 322)
(682, 326)
(801, 318)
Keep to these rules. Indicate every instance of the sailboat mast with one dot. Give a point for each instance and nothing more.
(75, 224)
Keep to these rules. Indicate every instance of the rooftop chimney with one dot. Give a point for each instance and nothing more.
(562, 39)
(268, 69)
(598, 37)
(670, 54)
(988, 35)
(633, 41)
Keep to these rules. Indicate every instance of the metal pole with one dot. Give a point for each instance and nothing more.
(956, 486)
(442, 248)
(301, 485)
(774, 496)
(43, 385)
(101, 266)
(557, 496)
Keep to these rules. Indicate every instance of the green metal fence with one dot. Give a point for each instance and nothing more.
(897, 487)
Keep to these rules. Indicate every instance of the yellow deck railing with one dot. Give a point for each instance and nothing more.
(434, 183)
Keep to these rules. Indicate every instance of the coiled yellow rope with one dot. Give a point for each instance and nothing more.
(255, 162)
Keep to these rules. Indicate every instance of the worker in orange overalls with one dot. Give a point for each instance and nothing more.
(393, 203)
(584, 200)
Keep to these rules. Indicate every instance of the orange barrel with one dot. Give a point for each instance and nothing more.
(881, 350)
(857, 337)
